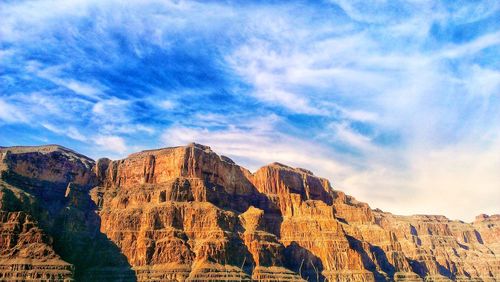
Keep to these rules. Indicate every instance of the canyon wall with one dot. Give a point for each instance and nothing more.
(188, 214)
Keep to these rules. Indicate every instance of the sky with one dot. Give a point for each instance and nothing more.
(396, 102)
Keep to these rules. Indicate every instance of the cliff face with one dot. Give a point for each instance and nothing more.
(186, 213)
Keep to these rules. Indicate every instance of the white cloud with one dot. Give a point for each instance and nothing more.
(6, 53)
(54, 74)
(167, 104)
(10, 113)
(111, 143)
(342, 133)
(46, 106)
(128, 128)
(112, 110)
(485, 41)
(376, 11)
(482, 81)
(458, 181)
(71, 131)
(81, 88)
(75, 134)
(392, 76)
(263, 67)
(358, 115)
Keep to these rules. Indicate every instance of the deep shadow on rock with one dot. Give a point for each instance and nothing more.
(79, 241)
(304, 262)
(186, 213)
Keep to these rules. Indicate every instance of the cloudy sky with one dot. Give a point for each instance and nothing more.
(396, 102)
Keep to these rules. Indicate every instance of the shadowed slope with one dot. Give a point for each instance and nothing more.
(186, 213)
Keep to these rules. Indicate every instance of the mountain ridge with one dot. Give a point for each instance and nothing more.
(186, 213)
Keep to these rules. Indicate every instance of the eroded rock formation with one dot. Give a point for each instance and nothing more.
(188, 214)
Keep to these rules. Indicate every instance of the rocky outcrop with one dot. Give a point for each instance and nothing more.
(51, 164)
(26, 251)
(46, 188)
(487, 229)
(320, 251)
(188, 214)
(178, 209)
(45, 172)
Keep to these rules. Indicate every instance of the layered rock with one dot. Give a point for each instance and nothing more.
(488, 230)
(175, 213)
(26, 251)
(320, 251)
(440, 249)
(48, 186)
(45, 171)
(188, 214)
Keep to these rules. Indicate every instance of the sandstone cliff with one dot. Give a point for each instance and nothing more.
(188, 214)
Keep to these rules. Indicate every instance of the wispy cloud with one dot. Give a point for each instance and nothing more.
(53, 74)
(114, 144)
(71, 131)
(383, 97)
(10, 113)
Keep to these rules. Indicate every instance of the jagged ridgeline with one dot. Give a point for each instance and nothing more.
(188, 214)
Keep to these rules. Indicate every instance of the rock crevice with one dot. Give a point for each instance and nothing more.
(188, 214)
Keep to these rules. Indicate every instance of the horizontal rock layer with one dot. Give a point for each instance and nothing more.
(188, 214)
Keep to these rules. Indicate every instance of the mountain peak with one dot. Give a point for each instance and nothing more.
(187, 213)
(287, 167)
(44, 149)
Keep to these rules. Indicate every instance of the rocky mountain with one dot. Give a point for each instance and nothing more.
(188, 214)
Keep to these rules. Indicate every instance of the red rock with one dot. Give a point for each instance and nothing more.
(188, 214)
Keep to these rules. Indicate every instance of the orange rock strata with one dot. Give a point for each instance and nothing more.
(188, 214)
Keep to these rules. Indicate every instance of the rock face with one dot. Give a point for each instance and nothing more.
(188, 214)
(489, 229)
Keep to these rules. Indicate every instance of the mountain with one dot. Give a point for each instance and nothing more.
(186, 213)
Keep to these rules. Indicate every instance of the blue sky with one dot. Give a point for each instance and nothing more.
(396, 102)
